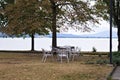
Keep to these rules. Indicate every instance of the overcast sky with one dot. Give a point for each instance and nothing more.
(103, 26)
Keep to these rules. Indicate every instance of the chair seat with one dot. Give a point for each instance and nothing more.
(62, 53)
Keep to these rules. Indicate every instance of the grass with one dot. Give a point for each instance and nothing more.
(19, 66)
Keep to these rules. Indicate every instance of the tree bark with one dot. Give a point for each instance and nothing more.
(54, 34)
(32, 42)
(118, 26)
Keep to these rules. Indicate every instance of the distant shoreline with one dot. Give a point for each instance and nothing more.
(104, 34)
(82, 37)
(60, 37)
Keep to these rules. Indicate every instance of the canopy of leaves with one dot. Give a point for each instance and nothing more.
(3, 18)
(115, 9)
(35, 16)
(77, 12)
(25, 17)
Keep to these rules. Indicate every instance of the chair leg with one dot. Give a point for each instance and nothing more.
(43, 58)
(61, 59)
(73, 57)
(67, 59)
(52, 58)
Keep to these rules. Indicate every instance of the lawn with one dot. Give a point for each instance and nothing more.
(28, 66)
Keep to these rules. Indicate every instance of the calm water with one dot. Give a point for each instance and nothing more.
(85, 44)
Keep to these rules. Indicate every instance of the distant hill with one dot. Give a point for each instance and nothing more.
(104, 34)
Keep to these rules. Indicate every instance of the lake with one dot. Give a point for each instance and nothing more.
(85, 44)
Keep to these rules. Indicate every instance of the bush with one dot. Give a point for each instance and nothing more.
(102, 62)
(116, 58)
(90, 62)
(94, 49)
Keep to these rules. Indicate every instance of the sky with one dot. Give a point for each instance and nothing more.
(103, 26)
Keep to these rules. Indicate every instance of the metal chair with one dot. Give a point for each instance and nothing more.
(75, 52)
(46, 54)
(62, 53)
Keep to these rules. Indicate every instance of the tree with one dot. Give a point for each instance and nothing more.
(73, 12)
(25, 18)
(36, 16)
(116, 18)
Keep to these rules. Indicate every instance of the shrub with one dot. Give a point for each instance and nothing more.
(116, 58)
(94, 49)
(109, 78)
(90, 62)
(102, 62)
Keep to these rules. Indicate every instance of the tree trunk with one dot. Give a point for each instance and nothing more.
(54, 35)
(32, 42)
(118, 26)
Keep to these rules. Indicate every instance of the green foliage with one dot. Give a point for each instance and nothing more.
(102, 8)
(76, 76)
(116, 10)
(90, 62)
(4, 2)
(3, 21)
(116, 58)
(102, 61)
(109, 78)
(10, 1)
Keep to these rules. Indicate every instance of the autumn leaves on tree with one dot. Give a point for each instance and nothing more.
(30, 17)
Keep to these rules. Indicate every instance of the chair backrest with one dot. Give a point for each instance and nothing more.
(62, 52)
(43, 51)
